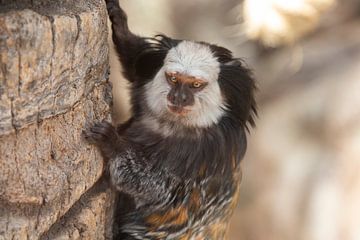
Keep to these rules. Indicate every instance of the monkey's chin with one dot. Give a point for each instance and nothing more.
(178, 111)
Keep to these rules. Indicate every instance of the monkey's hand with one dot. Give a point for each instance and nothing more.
(126, 43)
(105, 137)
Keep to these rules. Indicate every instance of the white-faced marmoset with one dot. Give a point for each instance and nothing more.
(176, 162)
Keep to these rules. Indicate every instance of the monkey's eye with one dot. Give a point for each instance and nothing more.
(196, 84)
(173, 79)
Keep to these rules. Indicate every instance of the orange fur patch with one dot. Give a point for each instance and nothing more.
(195, 200)
(218, 230)
(185, 237)
(174, 216)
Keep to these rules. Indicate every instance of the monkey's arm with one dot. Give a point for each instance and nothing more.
(130, 171)
(126, 43)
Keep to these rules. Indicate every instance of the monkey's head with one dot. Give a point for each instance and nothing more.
(195, 84)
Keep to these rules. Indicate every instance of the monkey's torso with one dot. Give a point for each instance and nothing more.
(194, 202)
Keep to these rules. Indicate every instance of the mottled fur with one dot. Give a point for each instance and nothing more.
(178, 178)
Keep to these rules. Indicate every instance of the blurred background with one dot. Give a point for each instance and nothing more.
(302, 169)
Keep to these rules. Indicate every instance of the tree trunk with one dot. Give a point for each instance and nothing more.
(53, 79)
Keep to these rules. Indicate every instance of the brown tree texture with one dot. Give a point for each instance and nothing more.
(53, 79)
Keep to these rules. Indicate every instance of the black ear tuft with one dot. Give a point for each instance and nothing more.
(237, 82)
(149, 62)
(151, 58)
(222, 54)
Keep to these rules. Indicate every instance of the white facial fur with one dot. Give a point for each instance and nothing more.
(193, 59)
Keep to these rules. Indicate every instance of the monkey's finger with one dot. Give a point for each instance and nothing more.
(103, 128)
(89, 136)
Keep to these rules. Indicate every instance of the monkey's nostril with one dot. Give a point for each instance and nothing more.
(183, 98)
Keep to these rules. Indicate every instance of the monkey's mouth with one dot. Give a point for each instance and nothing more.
(178, 110)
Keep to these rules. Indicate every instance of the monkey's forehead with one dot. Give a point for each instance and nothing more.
(194, 59)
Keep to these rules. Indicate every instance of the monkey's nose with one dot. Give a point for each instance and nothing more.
(180, 98)
(183, 98)
(187, 98)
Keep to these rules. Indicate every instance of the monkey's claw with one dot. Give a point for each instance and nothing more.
(100, 133)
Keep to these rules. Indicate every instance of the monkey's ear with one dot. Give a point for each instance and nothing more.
(149, 62)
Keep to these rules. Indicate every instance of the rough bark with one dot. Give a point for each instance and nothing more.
(53, 80)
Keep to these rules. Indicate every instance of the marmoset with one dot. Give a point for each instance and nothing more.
(176, 162)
